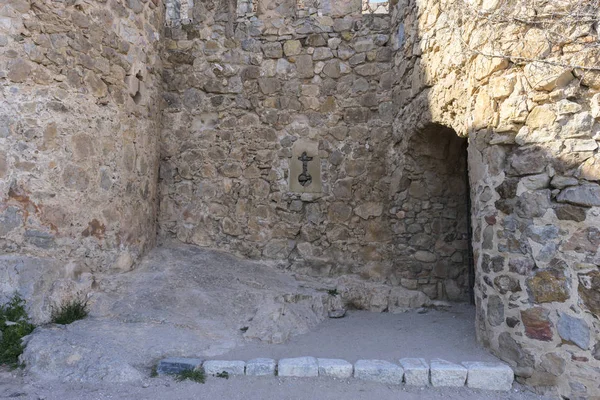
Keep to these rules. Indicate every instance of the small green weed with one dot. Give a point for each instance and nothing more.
(154, 372)
(69, 312)
(223, 374)
(333, 292)
(14, 325)
(196, 375)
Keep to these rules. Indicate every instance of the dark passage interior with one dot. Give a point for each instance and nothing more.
(435, 214)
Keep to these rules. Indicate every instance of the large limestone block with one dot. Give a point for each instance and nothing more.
(489, 376)
(378, 371)
(445, 373)
(300, 367)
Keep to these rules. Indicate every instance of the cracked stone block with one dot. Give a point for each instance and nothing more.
(378, 371)
(334, 368)
(489, 376)
(416, 371)
(445, 373)
(299, 367)
(176, 365)
(214, 367)
(261, 367)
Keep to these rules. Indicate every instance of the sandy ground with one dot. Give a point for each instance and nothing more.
(182, 302)
(447, 334)
(249, 388)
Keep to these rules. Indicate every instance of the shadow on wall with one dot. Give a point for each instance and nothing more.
(430, 196)
(534, 168)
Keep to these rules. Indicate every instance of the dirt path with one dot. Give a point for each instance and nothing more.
(447, 334)
(247, 388)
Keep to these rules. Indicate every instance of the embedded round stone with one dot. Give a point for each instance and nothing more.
(445, 373)
(214, 367)
(378, 371)
(261, 367)
(489, 376)
(299, 367)
(334, 368)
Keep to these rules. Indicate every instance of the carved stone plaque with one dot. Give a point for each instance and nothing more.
(305, 168)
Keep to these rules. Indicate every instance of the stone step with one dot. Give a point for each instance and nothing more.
(495, 376)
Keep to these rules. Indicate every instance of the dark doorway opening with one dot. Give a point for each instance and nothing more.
(437, 205)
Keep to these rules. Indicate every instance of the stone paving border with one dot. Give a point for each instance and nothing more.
(410, 371)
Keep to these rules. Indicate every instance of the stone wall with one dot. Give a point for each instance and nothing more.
(532, 121)
(241, 109)
(330, 141)
(78, 143)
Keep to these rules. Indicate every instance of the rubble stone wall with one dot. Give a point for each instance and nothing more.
(531, 114)
(238, 105)
(79, 129)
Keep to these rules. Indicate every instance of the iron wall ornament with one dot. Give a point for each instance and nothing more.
(305, 178)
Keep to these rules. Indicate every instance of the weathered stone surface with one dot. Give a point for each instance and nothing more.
(273, 50)
(495, 310)
(367, 210)
(401, 300)
(587, 195)
(589, 290)
(572, 329)
(378, 371)
(511, 350)
(445, 373)
(537, 324)
(304, 66)
(553, 364)
(213, 367)
(416, 371)
(506, 284)
(335, 368)
(175, 365)
(489, 376)
(299, 367)
(541, 116)
(569, 212)
(548, 77)
(261, 367)
(548, 286)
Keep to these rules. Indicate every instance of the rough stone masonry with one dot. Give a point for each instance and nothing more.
(120, 118)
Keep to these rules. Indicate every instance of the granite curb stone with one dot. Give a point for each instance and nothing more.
(176, 365)
(214, 367)
(416, 371)
(489, 375)
(261, 367)
(335, 368)
(445, 373)
(378, 371)
(298, 367)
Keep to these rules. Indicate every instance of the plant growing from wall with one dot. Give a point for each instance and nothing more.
(69, 312)
(14, 325)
